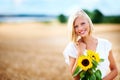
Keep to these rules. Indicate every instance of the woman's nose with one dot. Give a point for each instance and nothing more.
(80, 28)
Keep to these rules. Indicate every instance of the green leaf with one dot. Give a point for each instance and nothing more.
(82, 74)
(93, 68)
(77, 71)
(98, 75)
(87, 75)
(101, 60)
(94, 63)
(83, 78)
(92, 77)
(91, 71)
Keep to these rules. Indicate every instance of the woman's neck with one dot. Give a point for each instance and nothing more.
(88, 39)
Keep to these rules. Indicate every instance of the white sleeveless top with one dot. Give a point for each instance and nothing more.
(103, 48)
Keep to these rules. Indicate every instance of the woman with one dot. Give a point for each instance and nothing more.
(80, 29)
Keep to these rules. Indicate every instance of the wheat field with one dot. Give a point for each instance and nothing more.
(33, 51)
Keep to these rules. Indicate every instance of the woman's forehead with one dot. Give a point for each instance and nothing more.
(80, 19)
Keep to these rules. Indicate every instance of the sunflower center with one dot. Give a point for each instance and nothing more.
(94, 57)
(85, 62)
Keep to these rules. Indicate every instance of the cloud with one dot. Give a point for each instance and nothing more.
(88, 4)
(17, 2)
(108, 7)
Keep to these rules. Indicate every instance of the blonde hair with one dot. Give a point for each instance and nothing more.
(72, 35)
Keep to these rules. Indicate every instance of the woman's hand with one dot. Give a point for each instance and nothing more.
(114, 72)
(81, 46)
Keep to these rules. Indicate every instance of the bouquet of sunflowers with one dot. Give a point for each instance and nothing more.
(87, 66)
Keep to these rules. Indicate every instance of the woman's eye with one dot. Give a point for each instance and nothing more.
(83, 23)
(75, 26)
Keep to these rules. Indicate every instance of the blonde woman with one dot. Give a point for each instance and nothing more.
(80, 29)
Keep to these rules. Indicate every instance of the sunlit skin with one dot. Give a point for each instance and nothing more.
(82, 28)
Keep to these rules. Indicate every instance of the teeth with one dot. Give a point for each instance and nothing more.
(82, 32)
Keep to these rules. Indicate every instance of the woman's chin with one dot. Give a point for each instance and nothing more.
(84, 35)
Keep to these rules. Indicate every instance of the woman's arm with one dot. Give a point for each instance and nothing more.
(72, 67)
(113, 68)
(73, 61)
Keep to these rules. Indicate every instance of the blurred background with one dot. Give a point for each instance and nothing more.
(33, 35)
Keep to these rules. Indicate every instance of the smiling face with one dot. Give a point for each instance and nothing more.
(81, 26)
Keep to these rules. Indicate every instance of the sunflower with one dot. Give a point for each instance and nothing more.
(84, 62)
(94, 55)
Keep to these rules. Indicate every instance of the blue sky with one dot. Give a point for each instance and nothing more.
(55, 7)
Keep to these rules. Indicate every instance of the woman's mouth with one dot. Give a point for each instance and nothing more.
(82, 32)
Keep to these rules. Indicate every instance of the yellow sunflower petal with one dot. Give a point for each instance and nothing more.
(92, 54)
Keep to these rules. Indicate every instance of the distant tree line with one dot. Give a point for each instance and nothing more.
(62, 18)
(96, 17)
